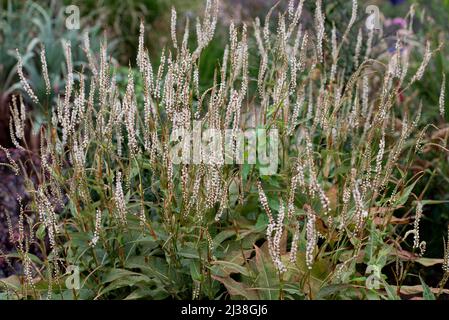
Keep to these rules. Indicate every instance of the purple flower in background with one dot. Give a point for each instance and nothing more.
(398, 22)
(396, 27)
(396, 2)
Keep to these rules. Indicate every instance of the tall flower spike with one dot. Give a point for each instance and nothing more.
(119, 198)
(442, 95)
(291, 8)
(264, 201)
(351, 22)
(446, 254)
(27, 266)
(140, 49)
(427, 55)
(45, 70)
(360, 212)
(173, 28)
(294, 246)
(11, 161)
(369, 44)
(185, 38)
(26, 86)
(379, 159)
(69, 84)
(96, 236)
(358, 48)
(319, 25)
(418, 216)
(274, 243)
(311, 236)
(17, 121)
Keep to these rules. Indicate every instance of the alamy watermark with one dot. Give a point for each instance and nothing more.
(72, 22)
(373, 280)
(73, 280)
(373, 20)
(231, 146)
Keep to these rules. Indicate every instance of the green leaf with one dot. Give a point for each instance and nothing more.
(189, 252)
(245, 171)
(405, 195)
(222, 236)
(231, 267)
(151, 266)
(115, 274)
(237, 288)
(267, 277)
(391, 291)
(32, 257)
(426, 202)
(40, 233)
(12, 282)
(124, 282)
(156, 294)
(426, 293)
(195, 271)
(262, 221)
(330, 290)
